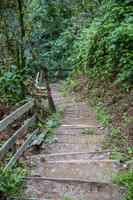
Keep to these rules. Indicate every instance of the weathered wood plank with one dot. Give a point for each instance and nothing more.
(9, 143)
(15, 115)
(21, 150)
(38, 80)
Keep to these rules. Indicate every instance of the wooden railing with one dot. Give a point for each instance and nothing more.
(32, 105)
(11, 142)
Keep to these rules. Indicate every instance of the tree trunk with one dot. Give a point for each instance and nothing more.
(22, 33)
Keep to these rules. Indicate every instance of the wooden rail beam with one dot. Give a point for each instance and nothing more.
(21, 150)
(15, 115)
(9, 143)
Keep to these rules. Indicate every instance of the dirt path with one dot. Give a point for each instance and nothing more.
(75, 166)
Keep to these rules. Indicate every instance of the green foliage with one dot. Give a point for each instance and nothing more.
(68, 198)
(36, 34)
(103, 49)
(117, 156)
(10, 183)
(52, 122)
(126, 179)
(102, 113)
(91, 36)
(13, 84)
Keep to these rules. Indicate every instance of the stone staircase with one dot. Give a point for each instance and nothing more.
(75, 167)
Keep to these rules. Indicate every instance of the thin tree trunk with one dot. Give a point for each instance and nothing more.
(22, 33)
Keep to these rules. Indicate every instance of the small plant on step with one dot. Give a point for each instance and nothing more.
(68, 198)
(117, 156)
(89, 131)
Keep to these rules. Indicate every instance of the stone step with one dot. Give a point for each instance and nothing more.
(78, 126)
(90, 170)
(36, 159)
(79, 138)
(78, 120)
(64, 105)
(72, 129)
(72, 105)
(70, 147)
(78, 156)
(62, 102)
(55, 89)
(55, 85)
(77, 114)
(58, 189)
(62, 98)
(56, 94)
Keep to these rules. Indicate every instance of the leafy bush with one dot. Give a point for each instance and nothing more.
(103, 50)
(10, 182)
(54, 120)
(13, 84)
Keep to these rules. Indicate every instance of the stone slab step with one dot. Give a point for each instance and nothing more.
(79, 108)
(65, 103)
(36, 159)
(62, 103)
(70, 147)
(74, 129)
(76, 190)
(68, 131)
(55, 89)
(73, 115)
(75, 105)
(79, 138)
(78, 126)
(90, 170)
(56, 94)
(62, 99)
(78, 120)
(56, 85)
(77, 156)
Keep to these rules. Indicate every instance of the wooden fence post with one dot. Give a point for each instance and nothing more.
(10, 133)
(48, 89)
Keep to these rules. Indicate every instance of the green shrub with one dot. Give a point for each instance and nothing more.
(13, 85)
(10, 182)
(126, 179)
(103, 49)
